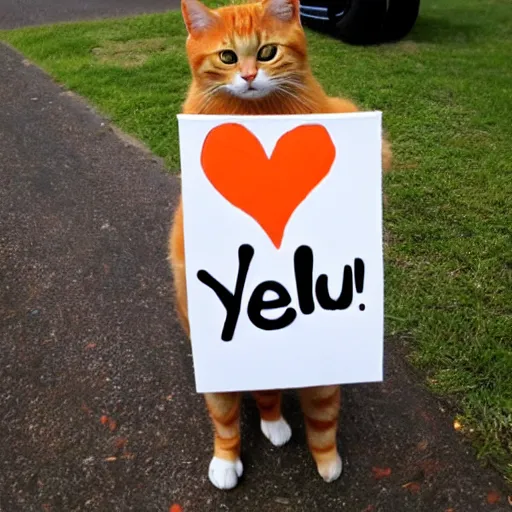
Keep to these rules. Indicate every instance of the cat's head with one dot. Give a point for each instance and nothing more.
(249, 51)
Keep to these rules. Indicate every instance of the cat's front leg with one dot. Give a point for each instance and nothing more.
(274, 427)
(343, 106)
(225, 467)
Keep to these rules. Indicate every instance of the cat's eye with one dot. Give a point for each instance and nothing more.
(267, 52)
(228, 57)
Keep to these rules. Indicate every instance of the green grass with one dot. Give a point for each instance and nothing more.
(446, 94)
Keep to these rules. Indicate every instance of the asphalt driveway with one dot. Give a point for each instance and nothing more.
(18, 13)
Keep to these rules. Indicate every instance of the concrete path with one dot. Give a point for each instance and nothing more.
(87, 329)
(18, 13)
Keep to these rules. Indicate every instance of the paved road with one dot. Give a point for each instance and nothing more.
(17, 13)
(87, 329)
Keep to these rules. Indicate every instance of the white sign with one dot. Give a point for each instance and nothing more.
(283, 249)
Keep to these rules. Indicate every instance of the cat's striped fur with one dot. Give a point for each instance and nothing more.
(292, 89)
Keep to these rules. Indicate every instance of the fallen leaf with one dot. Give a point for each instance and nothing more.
(426, 416)
(457, 425)
(422, 445)
(379, 473)
(90, 346)
(47, 507)
(120, 442)
(175, 508)
(430, 466)
(493, 497)
(112, 425)
(104, 420)
(413, 487)
(369, 508)
(86, 409)
(110, 459)
(450, 510)
(510, 500)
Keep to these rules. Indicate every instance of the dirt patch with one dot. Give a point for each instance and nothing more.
(129, 54)
(403, 47)
(408, 46)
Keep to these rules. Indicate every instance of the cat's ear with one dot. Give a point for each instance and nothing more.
(283, 10)
(197, 16)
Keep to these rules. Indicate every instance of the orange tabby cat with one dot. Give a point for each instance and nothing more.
(252, 59)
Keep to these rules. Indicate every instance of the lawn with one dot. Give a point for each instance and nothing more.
(446, 94)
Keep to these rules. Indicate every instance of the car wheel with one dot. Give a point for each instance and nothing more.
(314, 14)
(400, 19)
(358, 21)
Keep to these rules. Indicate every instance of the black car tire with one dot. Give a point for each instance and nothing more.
(400, 19)
(362, 22)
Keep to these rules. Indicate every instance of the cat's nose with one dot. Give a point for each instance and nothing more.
(249, 77)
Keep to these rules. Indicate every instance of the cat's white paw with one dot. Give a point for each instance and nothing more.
(224, 474)
(332, 470)
(277, 432)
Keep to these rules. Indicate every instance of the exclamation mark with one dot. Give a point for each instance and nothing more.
(359, 278)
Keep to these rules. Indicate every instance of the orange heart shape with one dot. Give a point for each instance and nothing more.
(267, 189)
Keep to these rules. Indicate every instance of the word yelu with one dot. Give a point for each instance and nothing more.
(303, 270)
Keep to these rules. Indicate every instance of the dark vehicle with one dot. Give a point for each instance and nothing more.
(361, 21)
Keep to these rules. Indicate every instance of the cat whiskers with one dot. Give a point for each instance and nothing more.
(290, 79)
(290, 84)
(209, 95)
(288, 89)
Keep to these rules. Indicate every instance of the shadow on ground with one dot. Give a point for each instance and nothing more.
(430, 29)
